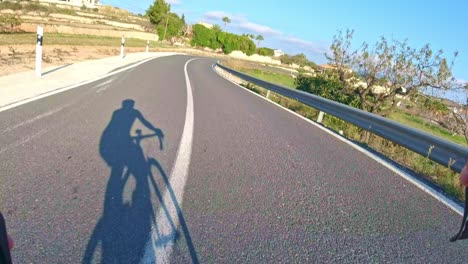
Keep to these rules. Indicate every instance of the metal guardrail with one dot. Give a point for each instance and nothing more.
(441, 151)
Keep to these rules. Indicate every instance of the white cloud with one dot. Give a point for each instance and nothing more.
(217, 16)
(240, 22)
(259, 29)
(275, 38)
(173, 2)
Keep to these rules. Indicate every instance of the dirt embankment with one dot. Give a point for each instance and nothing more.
(83, 23)
(22, 58)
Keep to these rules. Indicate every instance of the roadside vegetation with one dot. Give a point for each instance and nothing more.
(43, 10)
(443, 176)
(47, 9)
(72, 39)
(387, 79)
(159, 18)
(273, 77)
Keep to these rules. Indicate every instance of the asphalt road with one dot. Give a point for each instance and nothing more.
(262, 185)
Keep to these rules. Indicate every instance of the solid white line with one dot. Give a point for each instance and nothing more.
(161, 252)
(415, 181)
(63, 89)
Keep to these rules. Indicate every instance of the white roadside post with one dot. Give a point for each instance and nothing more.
(40, 35)
(320, 117)
(147, 46)
(268, 94)
(122, 47)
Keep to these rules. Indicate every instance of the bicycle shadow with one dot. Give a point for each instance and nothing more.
(129, 221)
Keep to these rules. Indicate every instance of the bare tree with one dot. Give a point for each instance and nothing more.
(376, 74)
(457, 122)
(187, 30)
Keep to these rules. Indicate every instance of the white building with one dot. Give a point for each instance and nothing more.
(207, 25)
(278, 53)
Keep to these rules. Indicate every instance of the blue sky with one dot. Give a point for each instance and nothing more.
(308, 26)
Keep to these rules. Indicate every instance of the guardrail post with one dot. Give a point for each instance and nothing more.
(40, 36)
(122, 48)
(320, 117)
(147, 46)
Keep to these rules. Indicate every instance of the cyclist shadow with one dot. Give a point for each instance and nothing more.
(128, 221)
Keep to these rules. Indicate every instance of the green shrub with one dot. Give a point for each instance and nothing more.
(265, 52)
(299, 59)
(202, 36)
(228, 42)
(327, 87)
(173, 29)
(9, 22)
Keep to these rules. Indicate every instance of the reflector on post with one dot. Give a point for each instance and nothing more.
(40, 36)
(122, 47)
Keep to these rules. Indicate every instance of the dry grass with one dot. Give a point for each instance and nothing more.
(114, 11)
(72, 39)
(14, 59)
(237, 64)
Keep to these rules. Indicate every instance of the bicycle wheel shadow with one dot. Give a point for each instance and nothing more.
(128, 225)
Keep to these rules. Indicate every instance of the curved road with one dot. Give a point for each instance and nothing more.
(242, 181)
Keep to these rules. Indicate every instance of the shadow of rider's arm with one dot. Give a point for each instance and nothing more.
(145, 122)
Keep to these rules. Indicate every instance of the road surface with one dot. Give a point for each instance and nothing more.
(237, 180)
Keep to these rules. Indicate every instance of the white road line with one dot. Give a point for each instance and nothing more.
(161, 252)
(102, 89)
(24, 140)
(415, 181)
(49, 113)
(63, 89)
(104, 83)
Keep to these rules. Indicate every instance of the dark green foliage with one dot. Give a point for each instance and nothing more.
(202, 36)
(158, 11)
(327, 87)
(299, 59)
(174, 27)
(265, 52)
(167, 24)
(215, 38)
